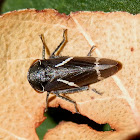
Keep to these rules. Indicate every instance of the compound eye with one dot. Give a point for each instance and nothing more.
(40, 89)
(35, 61)
(35, 83)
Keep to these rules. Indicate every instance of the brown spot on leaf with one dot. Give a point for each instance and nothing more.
(132, 49)
(92, 97)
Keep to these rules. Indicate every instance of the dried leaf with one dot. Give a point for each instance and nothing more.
(116, 36)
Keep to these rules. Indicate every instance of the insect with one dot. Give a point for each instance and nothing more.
(62, 75)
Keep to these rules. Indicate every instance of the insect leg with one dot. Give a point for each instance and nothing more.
(89, 54)
(93, 89)
(60, 45)
(69, 100)
(71, 90)
(44, 47)
(47, 101)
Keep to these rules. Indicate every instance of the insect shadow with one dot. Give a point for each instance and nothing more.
(59, 114)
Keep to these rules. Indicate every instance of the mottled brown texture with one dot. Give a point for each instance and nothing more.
(114, 34)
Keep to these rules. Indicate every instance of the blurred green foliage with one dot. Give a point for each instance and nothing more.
(66, 6)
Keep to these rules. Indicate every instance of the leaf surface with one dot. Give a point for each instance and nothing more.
(115, 35)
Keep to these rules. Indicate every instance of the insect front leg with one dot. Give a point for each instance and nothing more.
(67, 91)
(44, 47)
(60, 45)
(48, 93)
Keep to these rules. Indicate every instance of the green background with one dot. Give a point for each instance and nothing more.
(55, 115)
(66, 6)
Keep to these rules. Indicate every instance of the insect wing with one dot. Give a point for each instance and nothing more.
(69, 72)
